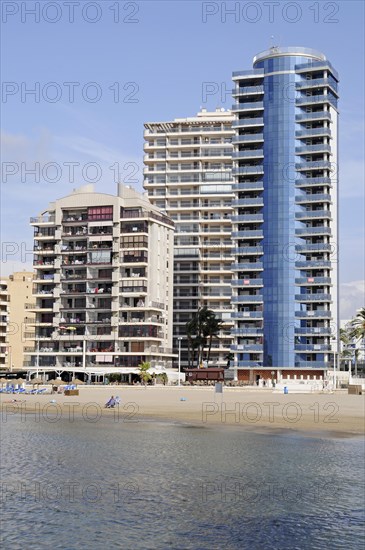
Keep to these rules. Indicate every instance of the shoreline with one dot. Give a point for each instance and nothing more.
(331, 414)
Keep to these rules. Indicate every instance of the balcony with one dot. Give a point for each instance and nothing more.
(259, 218)
(318, 148)
(247, 153)
(257, 201)
(313, 297)
(309, 182)
(314, 247)
(248, 138)
(318, 115)
(243, 122)
(315, 100)
(315, 197)
(251, 266)
(250, 73)
(310, 214)
(311, 231)
(249, 364)
(247, 315)
(247, 282)
(317, 314)
(248, 186)
(300, 348)
(314, 331)
(248, 348)
(251, 106)
(247, 299)
(247, 90)
(248, 234)
(313, 165)
(246, 331)
(42, 220)
(314, 264)
(248, 250)
(133, 289)
(311, 132)
(314, 83)
(309, 281)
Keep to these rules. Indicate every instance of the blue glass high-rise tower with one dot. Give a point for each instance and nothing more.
(284, 227)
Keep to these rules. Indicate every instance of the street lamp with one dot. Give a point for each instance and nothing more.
(335, 354)
(179, 338)
(334, 369)
(272, 378)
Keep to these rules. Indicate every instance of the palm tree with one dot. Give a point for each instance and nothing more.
(213, 326)
(345, 338)
(143, 372)
(358, 325)
(357, 331)
(200, 331)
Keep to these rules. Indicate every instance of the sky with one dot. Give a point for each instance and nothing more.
(79, 80)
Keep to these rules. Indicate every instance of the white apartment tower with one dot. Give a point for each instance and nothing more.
(4, 315)
(103, 282)
(188, 174)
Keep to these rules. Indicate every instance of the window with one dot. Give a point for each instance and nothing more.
(100, 213)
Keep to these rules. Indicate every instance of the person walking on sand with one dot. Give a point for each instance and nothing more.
(111, 403)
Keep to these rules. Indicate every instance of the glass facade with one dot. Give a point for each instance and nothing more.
(285, 217)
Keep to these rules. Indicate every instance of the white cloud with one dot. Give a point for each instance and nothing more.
(352, 297)
(20, 148)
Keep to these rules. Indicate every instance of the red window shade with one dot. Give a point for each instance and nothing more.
(100, 213)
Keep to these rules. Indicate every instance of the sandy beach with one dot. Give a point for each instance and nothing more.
(337, 414)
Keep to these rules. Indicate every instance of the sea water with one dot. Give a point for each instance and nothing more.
(164, 485)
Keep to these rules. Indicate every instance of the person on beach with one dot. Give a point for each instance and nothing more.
(111, 403)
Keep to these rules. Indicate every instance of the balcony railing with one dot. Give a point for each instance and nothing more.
(43, 219)
(314, 165)
(308, 182)
(314, 264)
(314, 331)
(252, 266)
(323, 131)
(247, 315)
(316, 197)
(247, 250)
(247, 299)
(247, 282)
(320, 230)
(248, 233)
(313, 281)
(323, 147)
(245, 90)
(326, 214)
(246, 331)
(321, 115)
(314, 314)
(248, 138)
(253, 348)
(248, 218)
(257, 201)
(313, 297)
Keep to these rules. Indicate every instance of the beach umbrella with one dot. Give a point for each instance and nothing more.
(57, 382)
(37, 381)
(19, 381)
(77, 381)
(3, 381)
(71, 328)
